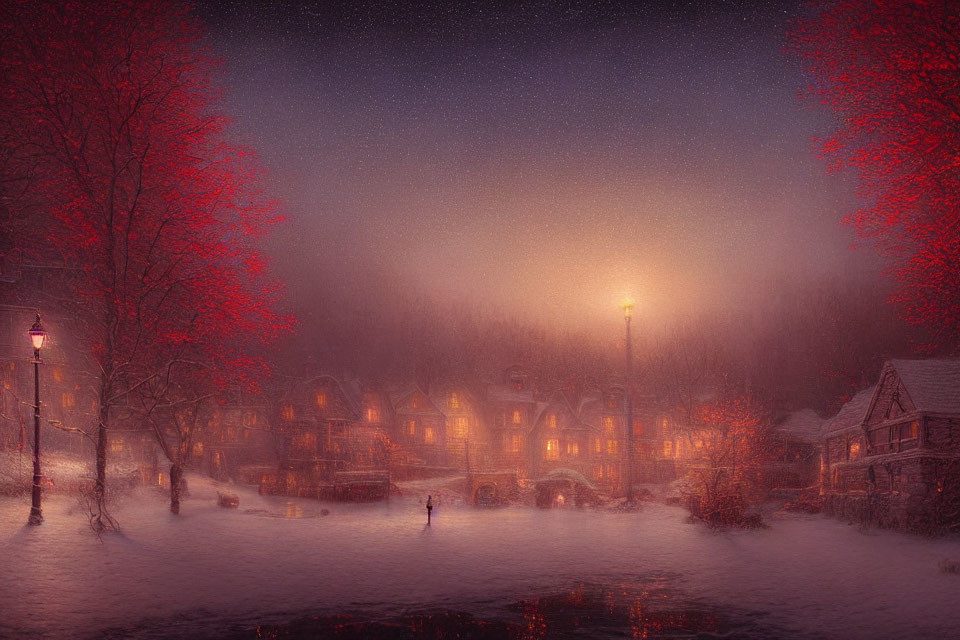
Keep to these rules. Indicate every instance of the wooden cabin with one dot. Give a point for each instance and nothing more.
(893, 457)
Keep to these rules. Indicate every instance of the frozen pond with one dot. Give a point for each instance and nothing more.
(215, 571)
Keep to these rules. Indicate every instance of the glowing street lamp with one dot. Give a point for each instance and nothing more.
(627, 305)
(37, 337)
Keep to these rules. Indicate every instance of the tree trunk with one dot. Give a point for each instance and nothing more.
(100, 485)
(176, 476)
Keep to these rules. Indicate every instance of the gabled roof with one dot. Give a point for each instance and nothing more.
(802, 425)
(851, 414)
(933, 385)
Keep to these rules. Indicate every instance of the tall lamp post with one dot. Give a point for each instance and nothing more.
(37, 337)
(627, 306)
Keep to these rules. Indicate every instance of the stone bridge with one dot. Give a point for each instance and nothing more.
(489, 488)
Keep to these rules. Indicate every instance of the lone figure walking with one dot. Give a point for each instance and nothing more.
(429, 508)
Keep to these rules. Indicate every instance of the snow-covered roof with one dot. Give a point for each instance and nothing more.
(851, 414)
(802, 425)
(933, 385)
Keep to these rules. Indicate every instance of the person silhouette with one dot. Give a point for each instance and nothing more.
(429, 508)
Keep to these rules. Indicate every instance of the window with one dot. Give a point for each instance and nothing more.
(429, 437)
(552, 421)
(511, 443)
(637, 428)
(57, 374)
(573, 448)
(68, 400)
(198, 449)
(321, 399)
(454, 400)
(516, 417)
(597, 445)
(553, 450)
(667, 449)
(613, 447)
(373, 415)
(608, 425)
(678, 448)
(460, 427)
(412, 428)
(854, 450)
(249, 419)
(911, 430)
(415, 401)
(287, 412)
(116, 446)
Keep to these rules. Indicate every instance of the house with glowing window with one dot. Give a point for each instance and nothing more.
(326, 449)
(465, 433)
(419, 430)
(235, 440)
(603, 415)
(511, 409)
(891, 456)
(558, 439)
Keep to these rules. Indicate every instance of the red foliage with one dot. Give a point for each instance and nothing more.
(112, 102)
(890, 69)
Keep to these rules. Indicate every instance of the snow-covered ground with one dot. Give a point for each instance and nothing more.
(274, 558)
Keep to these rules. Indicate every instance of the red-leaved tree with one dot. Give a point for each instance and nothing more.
(111, 108)
(890, 70)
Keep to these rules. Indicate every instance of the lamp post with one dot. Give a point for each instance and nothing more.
(627, 306)
(37, 338)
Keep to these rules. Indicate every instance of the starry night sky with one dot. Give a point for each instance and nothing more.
(535, 158)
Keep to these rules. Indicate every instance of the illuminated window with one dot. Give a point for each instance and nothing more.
(68, 400)
(249, 419)
(429, 437)
(854, 450)
(613, 447)
(412, 428)
(246, 434)
(321, 399)
(914, 429)
(415, 402)
(637, 428)
(373, 415)
(573, 448)
(460, 427)
(598, 472)
(57, 374)
(552, 421)
(287, 413)
(116, 446)
(667, 448)
(454, 400)
(553, 450)
(198, 449)
(678, 450)
(597, 445)
(608, 425)
(512, 443)
(305, 442)
(516, 417)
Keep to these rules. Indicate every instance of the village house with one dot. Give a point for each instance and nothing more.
(796, 451)
(511, 409)
(891, 456)
(325, 447)
(420, 430)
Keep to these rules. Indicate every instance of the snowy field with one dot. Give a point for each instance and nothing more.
(273, 559)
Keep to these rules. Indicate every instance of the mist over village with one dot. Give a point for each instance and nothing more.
(521, 320)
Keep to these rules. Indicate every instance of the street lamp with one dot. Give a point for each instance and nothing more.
(627, 306)
(37, 338)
